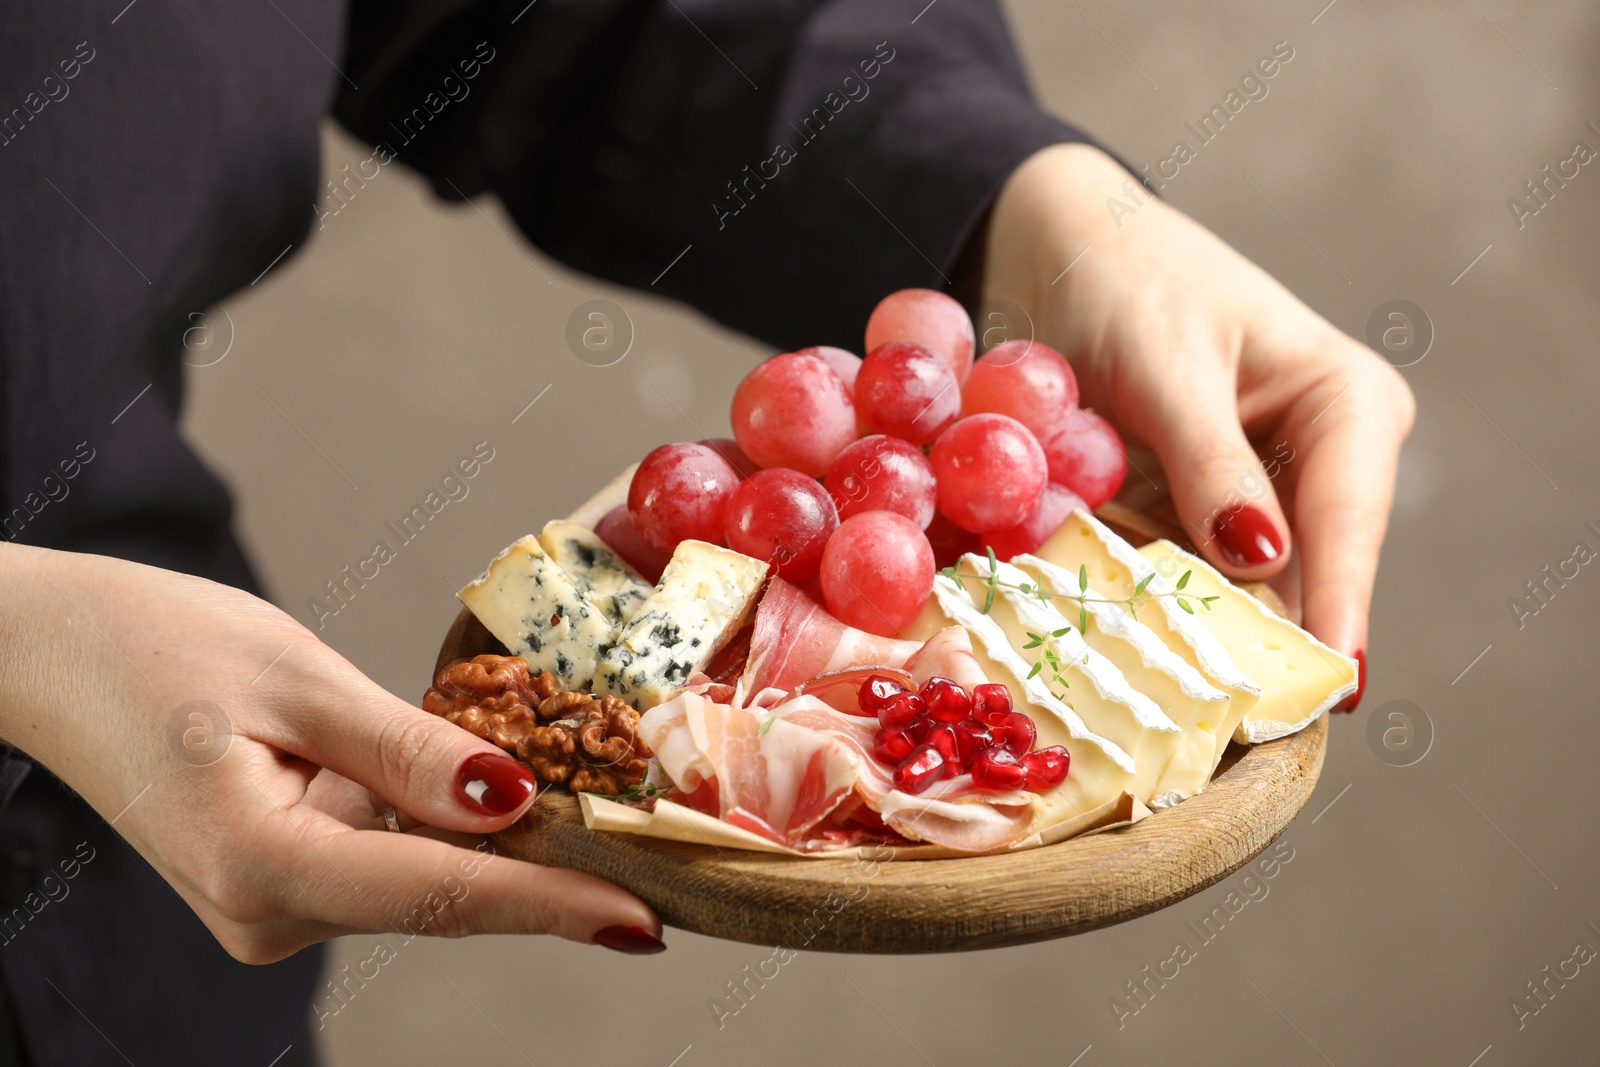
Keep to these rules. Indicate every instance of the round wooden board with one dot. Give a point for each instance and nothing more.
(945, 905)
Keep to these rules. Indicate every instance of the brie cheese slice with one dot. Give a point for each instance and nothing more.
(1115, 569)
(1198, 707)
(1300, 677)
(1099, 771)
(1082, 678)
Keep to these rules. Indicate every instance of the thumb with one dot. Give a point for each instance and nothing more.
(1222, 492)
(423, 765)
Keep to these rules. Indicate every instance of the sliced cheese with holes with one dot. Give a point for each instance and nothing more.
(705, 594)
(1300, 677)
(1080, 677)
(1098, 771)
(531, 604)
(595, 569)
(1115, 569)
(1198, 707)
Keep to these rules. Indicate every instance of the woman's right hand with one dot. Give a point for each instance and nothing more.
(261, 817)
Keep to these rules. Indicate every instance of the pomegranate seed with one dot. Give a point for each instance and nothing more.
(998, 769)
(1047, 768)
(919, 770)
(900, 709)
(990, 702)
(874, 691)
(920, 726)
(892, 745)
(1014, 731)
(946, 700)
(942, 736)
(972, 737)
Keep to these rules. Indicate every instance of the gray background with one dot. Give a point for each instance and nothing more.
(1419, 900)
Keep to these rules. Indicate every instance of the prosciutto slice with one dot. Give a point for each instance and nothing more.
(787, 781)
(947, 654)
(795, 639)
(780, 782)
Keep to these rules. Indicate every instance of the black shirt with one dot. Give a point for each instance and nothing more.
(157, 156)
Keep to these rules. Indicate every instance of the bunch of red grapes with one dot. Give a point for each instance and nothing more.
(941, 731)
(857, 479)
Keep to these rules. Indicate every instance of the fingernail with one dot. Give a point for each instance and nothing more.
(1246, 536)
(634, 940)
(1349, 703)
(491, 784)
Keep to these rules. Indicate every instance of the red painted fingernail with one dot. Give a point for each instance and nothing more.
(1246, 536)
(491, 784)
(1349, 703)
(634, 940)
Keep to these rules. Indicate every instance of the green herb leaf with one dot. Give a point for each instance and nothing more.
(762, 732)
(1037, 667)
(1064, 631)
(1185, 579)
(1083, 577)
(993, 563)
(1184, 604)
(988, 599)
(1083, 619)
(1138, 590)
(1034, 641)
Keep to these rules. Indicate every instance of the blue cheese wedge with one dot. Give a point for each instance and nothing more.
(530, 603)
(595, 569)
(705, 595)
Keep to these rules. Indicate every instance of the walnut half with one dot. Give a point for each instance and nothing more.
(588, 743)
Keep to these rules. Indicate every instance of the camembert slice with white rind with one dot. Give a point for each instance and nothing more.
(528, 602)
(1089, 683)
(1098, 771)
(1300, 677)
(1115, 569)
(1198, 707)
(595, 569)
(704, 596)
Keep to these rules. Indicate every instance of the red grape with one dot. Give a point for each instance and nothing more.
(991, 472)
(1087, 456)
(906, 391)
(1027, 380)
(877, 572)
(793, 411)
(929, 318)
(1057, 503)
(729, 449)
(616, 529)
(882, 473)
(950, 542)
(678, 492)
(845, 364)
(783, 517)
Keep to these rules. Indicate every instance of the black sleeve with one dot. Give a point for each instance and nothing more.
(779, 164)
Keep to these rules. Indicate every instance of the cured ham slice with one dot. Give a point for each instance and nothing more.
(953, 812)
(947, 654)
(795, 639)
(779, 782)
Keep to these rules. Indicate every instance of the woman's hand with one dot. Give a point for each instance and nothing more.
(261, 816)
(1187, 346)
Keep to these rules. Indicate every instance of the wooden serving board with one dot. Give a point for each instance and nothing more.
(975, 902)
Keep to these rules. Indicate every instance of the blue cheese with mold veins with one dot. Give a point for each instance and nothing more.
(595, 569)
(531, 604)
(704, 597)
